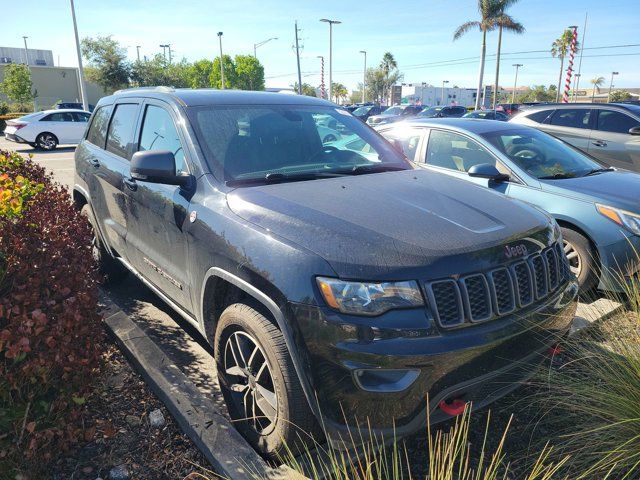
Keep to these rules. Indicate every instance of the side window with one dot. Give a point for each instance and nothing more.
(574, 118)
(456, 152)
(98, 130)
(81, 117)
(121, 129)
(616, 122)
(540, 116)
(58, 117)
(409, 138)
(159, 133)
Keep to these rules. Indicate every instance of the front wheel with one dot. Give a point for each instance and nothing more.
(259, 382)
(46, 141)
(582, 259)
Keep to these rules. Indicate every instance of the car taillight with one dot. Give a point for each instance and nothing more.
(18, 125)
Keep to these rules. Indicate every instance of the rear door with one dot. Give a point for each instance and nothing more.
(611, 142)
(573, 125)
(58, 123)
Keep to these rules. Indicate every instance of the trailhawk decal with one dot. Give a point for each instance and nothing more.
(163, 273)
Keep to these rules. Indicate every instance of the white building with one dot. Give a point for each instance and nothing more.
(425, 94)
(35, 57)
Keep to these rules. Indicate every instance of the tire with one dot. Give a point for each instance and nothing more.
(46, 141)
(582, 259)
(286, 422)
(110, 268)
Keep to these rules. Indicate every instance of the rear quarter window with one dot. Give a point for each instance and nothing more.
(97, 132)
(539, 117)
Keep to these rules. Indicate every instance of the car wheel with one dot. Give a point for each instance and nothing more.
(112, 270)
(582, 259)
(46, 141)
(259, 382)
(329, 138)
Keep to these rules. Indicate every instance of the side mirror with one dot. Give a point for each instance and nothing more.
(157, 166)
(634, 130)
(485, 170)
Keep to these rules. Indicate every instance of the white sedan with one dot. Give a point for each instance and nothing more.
(46, 130)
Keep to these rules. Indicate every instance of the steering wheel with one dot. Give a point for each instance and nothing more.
(326, 150)
(530, 153)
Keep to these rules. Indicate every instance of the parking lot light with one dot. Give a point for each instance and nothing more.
(330, 22)
(611, 86)
(443, 82)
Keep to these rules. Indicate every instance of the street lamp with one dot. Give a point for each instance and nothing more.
(83, 92)
(138, 51)
(331, 23)
(611, 86)
(221, 62)
(442, 98)
(259, 44)
(164, 51)
(26, 51)
(364, 75)
(515, 82)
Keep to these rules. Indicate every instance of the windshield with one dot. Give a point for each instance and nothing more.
(430, 112)
(542, 155)
(361, 111)
(393, 111)
(284, 142)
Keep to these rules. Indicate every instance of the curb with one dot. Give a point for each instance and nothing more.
(221, 444)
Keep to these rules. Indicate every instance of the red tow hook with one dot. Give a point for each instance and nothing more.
(555, 350)
(455, 408)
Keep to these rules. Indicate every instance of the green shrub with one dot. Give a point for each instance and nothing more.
(50, 332)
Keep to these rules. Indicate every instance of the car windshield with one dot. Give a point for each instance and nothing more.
(542, 155)
(393, 111)
(265, 143)
(430, 112)
(362, 110)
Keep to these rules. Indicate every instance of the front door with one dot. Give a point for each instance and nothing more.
(611, 142)
(158, 214)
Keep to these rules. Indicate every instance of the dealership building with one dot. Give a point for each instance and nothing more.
(430, 95)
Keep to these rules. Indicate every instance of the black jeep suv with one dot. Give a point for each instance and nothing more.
(337, 287)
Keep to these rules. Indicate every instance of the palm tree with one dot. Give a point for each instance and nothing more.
(489, 10)
(388, 65)
(559, 48)
(597, 82)
(339, 91)
(504, 22)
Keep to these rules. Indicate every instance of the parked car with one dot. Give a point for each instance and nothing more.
(366, 111)
(393, 114)
(487, 115)
(509, 108)
(72, 105)
(609, 132)
(443, 111)
(598, 208)
(48, 129)
(329, 284)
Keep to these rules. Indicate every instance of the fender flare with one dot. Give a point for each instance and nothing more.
(279, 317)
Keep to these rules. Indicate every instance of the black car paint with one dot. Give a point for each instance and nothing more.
(272, 242)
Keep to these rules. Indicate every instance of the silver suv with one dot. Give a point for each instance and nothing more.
(609, 132)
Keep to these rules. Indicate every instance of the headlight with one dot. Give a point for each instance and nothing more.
(631, 221)
(359, 298)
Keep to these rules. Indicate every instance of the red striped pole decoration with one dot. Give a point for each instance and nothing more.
(572, 54)
(322, 91)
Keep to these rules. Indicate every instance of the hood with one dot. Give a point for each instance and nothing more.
(617, 189)
(391, 225)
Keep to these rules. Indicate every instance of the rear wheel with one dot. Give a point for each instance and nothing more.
(582, 259)
(112, 270)
(46, 141)
(259, 382)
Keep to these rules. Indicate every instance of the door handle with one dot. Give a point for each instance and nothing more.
(131, 184)
(95, 162)
(599, 143)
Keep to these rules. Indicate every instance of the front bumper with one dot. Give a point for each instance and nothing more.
(375, 374)
(620, 262)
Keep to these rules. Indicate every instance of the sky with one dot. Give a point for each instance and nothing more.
(419, 33)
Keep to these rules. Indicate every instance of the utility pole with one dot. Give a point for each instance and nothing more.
(442, 96)
(221, 61)
(515, 82)
(331, 23)
(169, 50)
(298, 59)
(138, 51)
(611, 86)
(26, 51)
(323, 93)
(364, 76)
(576, 81)
(83, 92)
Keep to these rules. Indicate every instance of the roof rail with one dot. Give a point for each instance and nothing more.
(160, 88)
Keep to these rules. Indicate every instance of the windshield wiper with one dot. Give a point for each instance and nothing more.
(557, 176)
(599, 170)
(277, 177)
(377, 168)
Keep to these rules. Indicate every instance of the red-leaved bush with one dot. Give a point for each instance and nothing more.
(50, 332)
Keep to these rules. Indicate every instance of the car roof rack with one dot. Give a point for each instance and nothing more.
(160, 88)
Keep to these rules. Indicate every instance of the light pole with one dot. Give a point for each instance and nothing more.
(164, 51)
(26, 51)
(259, 44)
(611, 86)
(442, 97)
(297, 45)
(138, 51)
(83, 92)
(576, 81)
(331, 23)
(364, 76)
(221, 62)
(515, 82)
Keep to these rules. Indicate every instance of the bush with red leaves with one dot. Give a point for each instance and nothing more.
(50, 331)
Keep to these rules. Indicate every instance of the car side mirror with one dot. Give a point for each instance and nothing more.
(157, 166)
(486, 170)
(634, 130)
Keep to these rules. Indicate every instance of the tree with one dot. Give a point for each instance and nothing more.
(539, 93)
(249, 73)
(158, 71)
(597, 82)
(504, 22)
(340, 92)
(200, 74)
(619, 96)
(229, 73)
(307, 89)
(376, 81)
(17, 84)
(107, 61)
(559, 48)
(389, 67)
(489, 12)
